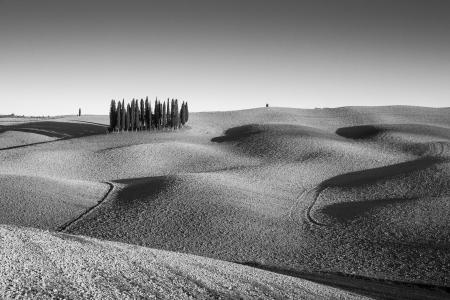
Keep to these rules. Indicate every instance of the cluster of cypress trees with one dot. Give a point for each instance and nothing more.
(138, 115)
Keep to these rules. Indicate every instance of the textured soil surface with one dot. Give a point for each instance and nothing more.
(10, 139)
(40, 265)
(348, 193)
(45, 202)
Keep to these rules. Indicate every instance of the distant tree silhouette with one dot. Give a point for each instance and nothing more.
(133, 115)
(168, 122)
(79, 112)
(155, 115)
(146, 115)
(172, 114)
(178, 114)
(137, 115)
(142, 115)
(128, 119)
(160, 114)
(112, 115)
(181, 114)
(123, 118)
(150, 119)
(164, 116)
(118, 116)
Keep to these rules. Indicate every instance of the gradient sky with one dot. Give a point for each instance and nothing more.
(58, 55)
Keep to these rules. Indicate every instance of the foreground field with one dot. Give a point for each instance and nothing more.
(36, 264)
(357, 195)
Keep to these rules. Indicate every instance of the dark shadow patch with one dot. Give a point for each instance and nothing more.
(237, 133)
(58, 130)
(274, 130)
(371, 287)
(346, 211)
(359, 132)
(370, 175)
(141, 188)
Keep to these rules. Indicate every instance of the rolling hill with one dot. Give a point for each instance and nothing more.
(357, 195)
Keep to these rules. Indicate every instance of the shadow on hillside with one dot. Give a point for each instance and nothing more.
(359, 132)
(237, 133)
(368, 176)
(141, 188)
(346, 211)
(58, 129)
(274, 130)
(372, 287)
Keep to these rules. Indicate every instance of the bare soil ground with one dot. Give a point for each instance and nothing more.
(41, 265)
(45, 202)
(10, 139)
(360, 192)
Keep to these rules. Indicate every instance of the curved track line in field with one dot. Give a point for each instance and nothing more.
(32, 144)
(436, 149)
(89, 210)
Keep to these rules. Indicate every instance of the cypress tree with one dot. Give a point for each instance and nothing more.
(150, 115)
(118, 116)
(112, 115)
(172, 115)
(156, 114)
(177, 117)
(132, 122)
(136, 116)
(142, 115)
(123, 118)
(182, 114)
(186, 112)
(174, 121)
(146, 114)
(168, 113)
(164, 117)
(128, 117)
(160, 114)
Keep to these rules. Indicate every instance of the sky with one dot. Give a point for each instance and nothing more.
(59, 55)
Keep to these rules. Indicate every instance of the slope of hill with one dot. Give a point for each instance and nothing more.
(40, 265)
(34, 132)
(45, 202)
(10, 139)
